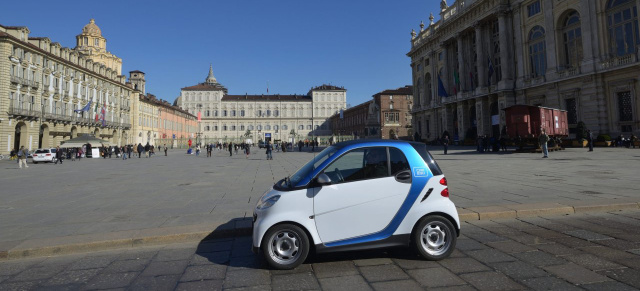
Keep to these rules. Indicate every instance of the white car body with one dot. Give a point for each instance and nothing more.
(44, 155)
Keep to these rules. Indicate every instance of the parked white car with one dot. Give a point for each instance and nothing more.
(44, 155)
(358, 195)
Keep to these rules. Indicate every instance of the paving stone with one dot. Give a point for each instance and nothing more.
(573, 242)
(435, 277)
(469, 245)
(538, 258)
(29, 285)
(527, 239)
(335, 269)
(304, 268)
(593, 262)
(454, 288)
(210, 247)
(3, 278)
(210, 258)
(637, 252)
(204, 272)
(111, 280)
(549, 283)
(587, 235)
(156, 283)
(137, 255)
(490, 256)
(575, 274)
(544, 233)
(244, 278)
(200, 285)
(397, 285)
(616, 286)
(72, 277)
(627, 276)
(127, 266)
(302, 281)
(484, 236)
(415, 263)
(630, 263)
(558, 249)
(93, 262)
(373, 262)
(246, 263)
(463, 265)
(251, 288)
(346, 283)
(174, 254)
(510, 247)
(383, 273)
(519, 270)
(14, 267)
(610, 254)
(619, 244)
(165, 268)
(490, 281)
(33, 274)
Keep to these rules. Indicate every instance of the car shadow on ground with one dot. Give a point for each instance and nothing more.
(230, 245)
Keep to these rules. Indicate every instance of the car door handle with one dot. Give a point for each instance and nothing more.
(404, 176)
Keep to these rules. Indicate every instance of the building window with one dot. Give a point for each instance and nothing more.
(215, 128)
(309, 127)
(215, 113)
(242, 113)
(96, 42)
(537, 54)
(224, 113)
(284, 127)
(391, 105)
(533, 8)
(572, 38)
(233, 113)
(301, 127)
(259, 127)
(207, 113)
(259, 113)
(625, 110)
(268, 112)
(622, 26)
(267, 127)
(224, 127)
(242, 127)
(233, 128)
(276, 113)
(275, 127)
(250, 127)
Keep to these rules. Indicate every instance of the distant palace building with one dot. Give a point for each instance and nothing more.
(275, 117)
(578, 55)
(387, 115)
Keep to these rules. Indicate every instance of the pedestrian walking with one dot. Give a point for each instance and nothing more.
(140, 150)
(230, 149)
(165, 149)
(590, 140)
(445, 143)
(59, 155)
(543, 139)
(269, 150)
(633, 140)
(247, 150)
(147, 148)
(22, 157)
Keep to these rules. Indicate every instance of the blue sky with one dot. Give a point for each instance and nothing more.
(291, 45)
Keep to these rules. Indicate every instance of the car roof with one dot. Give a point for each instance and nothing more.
(374, 141)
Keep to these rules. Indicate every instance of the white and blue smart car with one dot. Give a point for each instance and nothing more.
(358, 195)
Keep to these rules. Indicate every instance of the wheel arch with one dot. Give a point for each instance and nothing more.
(312, 245)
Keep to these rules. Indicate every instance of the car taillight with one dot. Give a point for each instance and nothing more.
(47, 155)
(443, 181)
(445, 192)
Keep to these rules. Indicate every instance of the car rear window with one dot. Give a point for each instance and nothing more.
(42, 151)
(428, 159)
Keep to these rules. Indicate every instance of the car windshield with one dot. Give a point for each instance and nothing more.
(309, 167)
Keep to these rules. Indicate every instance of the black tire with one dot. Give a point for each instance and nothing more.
(434, 237)
(35, 162)
(285, 246)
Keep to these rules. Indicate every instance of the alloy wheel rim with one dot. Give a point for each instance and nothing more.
(284, 247)
(435, 238)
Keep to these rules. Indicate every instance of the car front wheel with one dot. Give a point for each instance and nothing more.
(285, 246)
(435, 237)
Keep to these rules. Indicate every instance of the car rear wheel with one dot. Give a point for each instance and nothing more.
(35, 162)
(435, 237)
(285, 246)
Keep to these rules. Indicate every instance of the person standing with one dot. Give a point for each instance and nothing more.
(59, 155)
(165, 149)
(590, 140)
(140, 150)
(247, 150)
(147, 148)
(230, 147)
(445, 143)
(543, 139)
(22, 157)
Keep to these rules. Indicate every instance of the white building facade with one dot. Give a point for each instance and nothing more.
(578, 55)
(236, 118)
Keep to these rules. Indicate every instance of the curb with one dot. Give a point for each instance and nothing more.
(243, 227)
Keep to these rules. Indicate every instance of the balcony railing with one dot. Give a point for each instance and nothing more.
(24, 111)
(568, 72)
(619, 61)
(25, 82)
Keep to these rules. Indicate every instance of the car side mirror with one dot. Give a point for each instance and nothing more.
(323, 179)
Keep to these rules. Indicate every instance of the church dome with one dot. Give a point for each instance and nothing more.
(91, 28)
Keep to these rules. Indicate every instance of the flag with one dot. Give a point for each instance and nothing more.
(96, 111)
(102, 114)
(490, 71)
(442, 92)
(456, 80)
(84, 109)
(199, 116)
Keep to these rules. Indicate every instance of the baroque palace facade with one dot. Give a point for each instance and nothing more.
(275, 117)
(578, 55)
(42, 83)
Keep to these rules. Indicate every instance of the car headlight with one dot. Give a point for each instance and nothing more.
(264, 204)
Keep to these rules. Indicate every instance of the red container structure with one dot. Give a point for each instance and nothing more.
(526, 121)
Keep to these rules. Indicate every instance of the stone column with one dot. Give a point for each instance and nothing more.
(549, 37)
(445, 69)
(588, 22)
(517, 36)
(506, 61)
(482, 60)
(445, 118)
(480, 115)
(462, 128)
(460, 63)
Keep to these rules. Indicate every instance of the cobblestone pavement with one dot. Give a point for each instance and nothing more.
(98, 199)
(597, 251)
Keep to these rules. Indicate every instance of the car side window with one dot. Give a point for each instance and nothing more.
(359, 164)
(399, 162)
